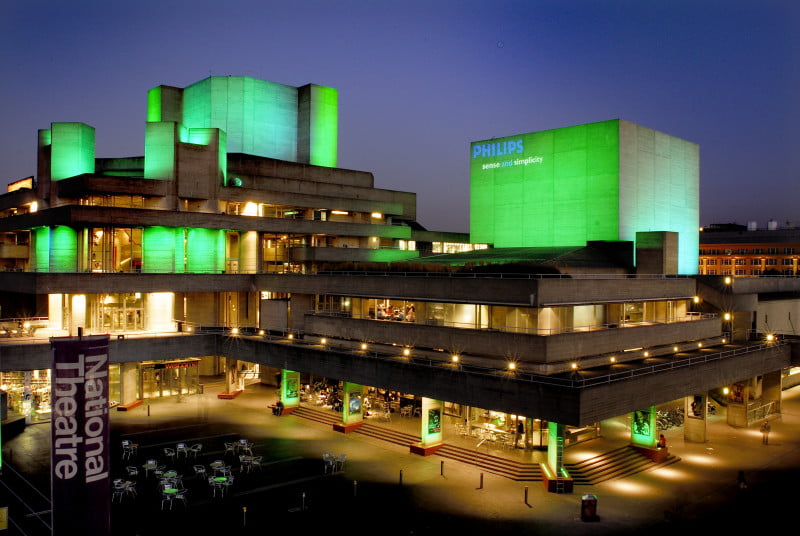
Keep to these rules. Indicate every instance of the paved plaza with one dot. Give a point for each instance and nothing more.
(383, 488)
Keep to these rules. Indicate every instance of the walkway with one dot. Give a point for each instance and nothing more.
(433, 498)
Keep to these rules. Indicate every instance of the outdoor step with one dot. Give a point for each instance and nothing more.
(618, 463)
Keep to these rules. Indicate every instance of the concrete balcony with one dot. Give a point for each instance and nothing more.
(334, 254)
(545, 350)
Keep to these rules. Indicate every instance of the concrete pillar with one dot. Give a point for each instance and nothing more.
(643, 428)
(555, 448)
(290, 388)
(431, 422)
(232, 380)
(129, 382)
(248, 253)
(352, 399)
(695, 423)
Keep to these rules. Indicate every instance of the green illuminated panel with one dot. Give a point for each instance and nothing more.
(290, 388)
(63, 249)
(319, 113)
(159, 151)
(205, 250)
(41, 249)
(551, 188)
(158, 249)
(72, 146)
(600, 181)
(643, 427)
(259, 117)
(154, 105)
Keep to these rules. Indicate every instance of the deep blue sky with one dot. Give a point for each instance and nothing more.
(419, 80)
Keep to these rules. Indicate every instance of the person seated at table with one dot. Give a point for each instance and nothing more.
(277, 409)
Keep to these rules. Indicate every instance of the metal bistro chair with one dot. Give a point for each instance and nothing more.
(196, 449)
(169, 453)
(329, 461)
(199, 471)
(118, 491)
(256, 462)
(338, 464)
(230, 447)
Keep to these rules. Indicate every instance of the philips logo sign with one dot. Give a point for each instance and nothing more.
(498, 148)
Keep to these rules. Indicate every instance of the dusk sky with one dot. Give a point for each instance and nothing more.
(418, 81)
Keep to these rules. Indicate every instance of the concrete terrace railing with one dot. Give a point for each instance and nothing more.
(577, 380)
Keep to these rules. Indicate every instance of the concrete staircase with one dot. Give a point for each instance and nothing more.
(619, 463)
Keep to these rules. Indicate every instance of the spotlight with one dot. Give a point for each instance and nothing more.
(454, 358)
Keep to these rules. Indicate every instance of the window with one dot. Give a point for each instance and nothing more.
(741, 262)
(740, 272)
(712, 272)
(755, 272)
(726, 262)
(742, 251)
(711, 262)
(755, 262)
(757, 251)
(788, 251)
(786, 262)
(771, 262)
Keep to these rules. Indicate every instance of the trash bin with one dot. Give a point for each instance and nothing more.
(589, 507)
(200, 388)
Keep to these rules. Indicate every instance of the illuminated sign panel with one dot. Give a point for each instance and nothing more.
(600, 181)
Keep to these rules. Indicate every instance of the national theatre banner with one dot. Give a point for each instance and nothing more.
(79, 458)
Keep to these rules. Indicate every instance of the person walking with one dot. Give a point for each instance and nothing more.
(765, 428)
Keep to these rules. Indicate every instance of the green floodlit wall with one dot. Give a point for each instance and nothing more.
(154, 105)
(543, 189)
(205, 250)
(323, 124)
(600, 181)
(41, 249)
(159, 151)
(72, 150)
(259, 117)
(63, 249)
(158, 249)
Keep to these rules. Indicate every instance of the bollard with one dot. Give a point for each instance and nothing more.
(355, 488)
(148, 410)
(481, 486)
(303, 502)
(401, 477)
(441, 468)
(244, 516)
(526, 494)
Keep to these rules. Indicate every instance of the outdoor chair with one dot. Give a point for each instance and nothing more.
(339, 463)
(256, 462)
(169, 453)
(195, 449)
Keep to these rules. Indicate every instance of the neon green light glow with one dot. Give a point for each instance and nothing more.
(259, 117)
(205, 250)
(158, 250)
(324, 126)
(72, 150)
(555, 445)
(643, 427)
(41, 249)
(352, 409)
(600, 181)
(154, 105)
(159, 151)
(390, 255)
(63, 249)
(290, 388)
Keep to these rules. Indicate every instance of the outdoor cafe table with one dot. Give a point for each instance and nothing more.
(171, 474)
(219, 484)
(218, 467)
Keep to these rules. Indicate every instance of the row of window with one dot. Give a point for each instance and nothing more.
(745, 272)
(746, 251)
(743, 262)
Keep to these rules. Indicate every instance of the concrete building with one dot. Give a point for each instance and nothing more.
(235, 247)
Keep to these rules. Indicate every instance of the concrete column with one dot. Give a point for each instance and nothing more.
(431, 422)
(643, 428)
(352, 399)
(129, 382)
(248, 252)
(290, 388)
(232, 381)
(695, 423)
